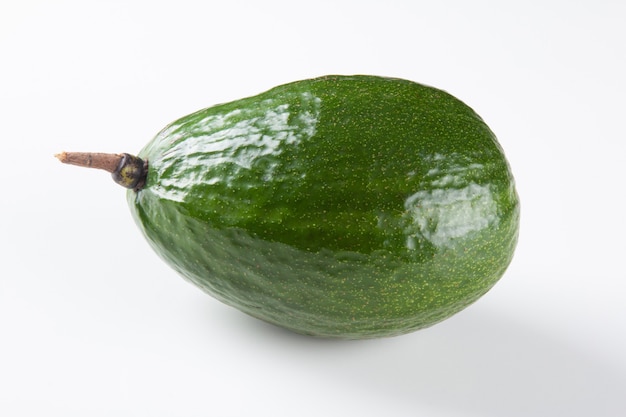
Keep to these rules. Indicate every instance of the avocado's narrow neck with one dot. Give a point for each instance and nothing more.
(127, 170)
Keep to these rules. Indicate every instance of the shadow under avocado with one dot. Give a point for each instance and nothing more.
(495, 366)
(478, 363)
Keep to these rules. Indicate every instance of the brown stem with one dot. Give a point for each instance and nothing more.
(127, 170)
(106, 161)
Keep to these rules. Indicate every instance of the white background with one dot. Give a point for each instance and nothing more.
(92, 323)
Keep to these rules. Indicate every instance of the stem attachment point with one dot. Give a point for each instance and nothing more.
(127, 170)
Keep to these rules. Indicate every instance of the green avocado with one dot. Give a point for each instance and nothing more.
(342, 206)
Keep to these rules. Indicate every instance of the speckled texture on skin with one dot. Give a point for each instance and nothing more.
(342, 206)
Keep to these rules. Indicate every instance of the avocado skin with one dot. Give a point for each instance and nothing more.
(342, 206)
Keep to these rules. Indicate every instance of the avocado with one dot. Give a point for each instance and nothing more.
(341, 206)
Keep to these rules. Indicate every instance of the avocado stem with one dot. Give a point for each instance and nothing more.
(127, 170)
(106, 161)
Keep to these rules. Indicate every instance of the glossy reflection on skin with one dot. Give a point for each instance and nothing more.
(240, 138)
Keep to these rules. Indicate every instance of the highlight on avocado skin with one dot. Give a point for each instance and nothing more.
(341, 206)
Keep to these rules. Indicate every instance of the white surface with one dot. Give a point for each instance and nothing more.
(92, 323)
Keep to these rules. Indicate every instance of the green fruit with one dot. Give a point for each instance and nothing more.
(342, 206)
